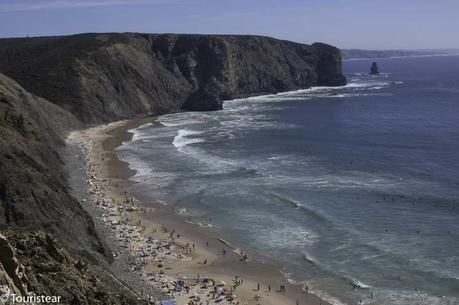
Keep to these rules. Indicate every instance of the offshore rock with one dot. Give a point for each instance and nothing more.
(374, 69)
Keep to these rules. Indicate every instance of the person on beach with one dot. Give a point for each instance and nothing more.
(258, 286)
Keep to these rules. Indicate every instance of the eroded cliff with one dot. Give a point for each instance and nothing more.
(105, 77)
(33, 191)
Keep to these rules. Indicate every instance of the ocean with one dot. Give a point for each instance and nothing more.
(334, 184)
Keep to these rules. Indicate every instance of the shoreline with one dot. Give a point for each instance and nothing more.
(109, 178)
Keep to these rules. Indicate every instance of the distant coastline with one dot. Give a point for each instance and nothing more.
(357, 54)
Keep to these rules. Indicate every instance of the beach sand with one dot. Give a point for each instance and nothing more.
(177, 259)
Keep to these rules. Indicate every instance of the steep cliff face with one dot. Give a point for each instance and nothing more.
(33, 192)
(104, 77)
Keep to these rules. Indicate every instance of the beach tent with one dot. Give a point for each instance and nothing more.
(170, 302)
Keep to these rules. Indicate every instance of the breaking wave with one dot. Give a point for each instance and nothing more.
(184, 138)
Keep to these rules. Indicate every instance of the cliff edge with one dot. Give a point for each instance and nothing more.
(107, 77)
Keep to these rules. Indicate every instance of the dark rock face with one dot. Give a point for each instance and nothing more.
(328, 66)
(33, 192)
(105, 77)
(374, 68)
(36, 262)
(34, 198)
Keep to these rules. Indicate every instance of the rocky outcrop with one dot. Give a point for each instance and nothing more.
(105, 77)
(12, 277)
(33, 191)
(36, 264)
(374, 69)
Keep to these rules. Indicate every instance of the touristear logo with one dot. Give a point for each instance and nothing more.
(4, 294)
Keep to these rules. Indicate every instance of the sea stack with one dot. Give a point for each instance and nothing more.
(374, 68)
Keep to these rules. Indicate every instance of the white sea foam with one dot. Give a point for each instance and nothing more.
(145, 125)
(161, 202)
(143, 169)
(176, 123)
(201, 224)
(323, 91)
(314, 289)
(183, 138)
(184, 118)
(182, 211)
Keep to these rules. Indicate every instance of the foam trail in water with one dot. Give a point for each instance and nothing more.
(182, 139)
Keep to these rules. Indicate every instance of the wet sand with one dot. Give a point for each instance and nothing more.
(143, 229)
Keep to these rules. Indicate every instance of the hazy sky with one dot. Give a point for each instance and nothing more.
(368, 24)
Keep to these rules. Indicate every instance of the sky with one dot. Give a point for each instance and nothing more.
(364, 24)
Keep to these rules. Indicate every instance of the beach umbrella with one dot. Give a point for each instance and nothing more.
(223, 283)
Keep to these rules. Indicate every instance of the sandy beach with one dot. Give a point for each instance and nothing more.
(172, 258)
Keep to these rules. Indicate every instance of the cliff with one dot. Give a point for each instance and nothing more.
(33, 192)
(34, 198)
(106, 77)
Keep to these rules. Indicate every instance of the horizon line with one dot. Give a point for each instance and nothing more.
(220, 34)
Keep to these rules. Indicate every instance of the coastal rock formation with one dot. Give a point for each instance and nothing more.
(52, 271)
(33, 192)
(374, 69)
(34, 198)
(12, 277)
(106, 77)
